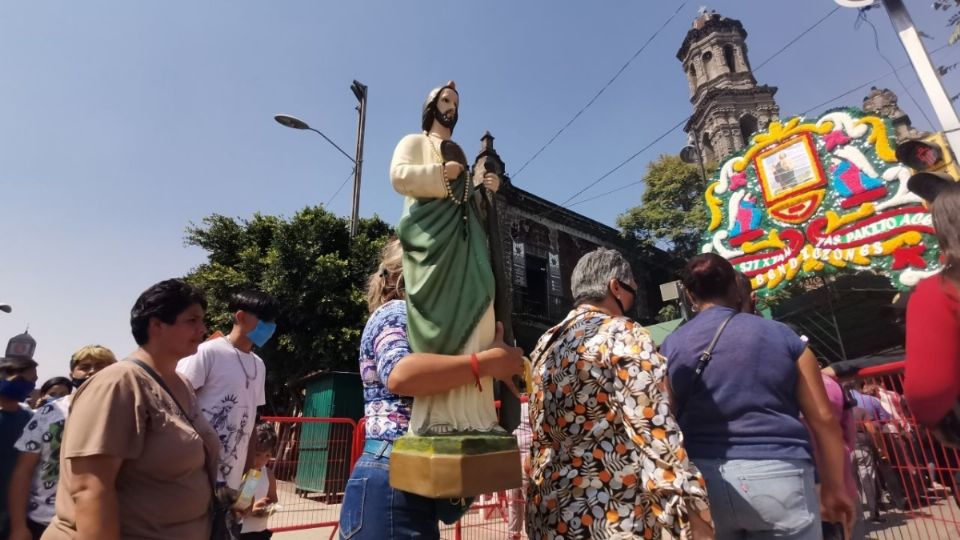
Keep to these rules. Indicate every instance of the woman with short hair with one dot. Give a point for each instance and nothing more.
(739, 408)
(607, 458)
(137, 456)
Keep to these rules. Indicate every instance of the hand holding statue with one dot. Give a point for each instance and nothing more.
(502, 361)
(490, 180)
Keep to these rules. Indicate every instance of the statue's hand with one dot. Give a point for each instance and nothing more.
(452, 170)
(491, 181)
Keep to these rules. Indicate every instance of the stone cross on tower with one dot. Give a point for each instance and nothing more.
(728, 104)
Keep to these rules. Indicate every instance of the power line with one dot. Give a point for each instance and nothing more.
(765, 62)
(615, 169)
(337, 192)
(790, 43)
(871, 81)
(601, 91)
(862, 17)
(794, 40)
(624, 162)
(605, 193)
(638, 182)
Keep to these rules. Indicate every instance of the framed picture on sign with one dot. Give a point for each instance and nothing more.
(789, 167)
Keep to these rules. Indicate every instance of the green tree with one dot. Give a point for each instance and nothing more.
(310, 265)
(672, 214)
(951, 7)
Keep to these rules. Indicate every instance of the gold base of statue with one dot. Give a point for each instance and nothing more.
(455, 466)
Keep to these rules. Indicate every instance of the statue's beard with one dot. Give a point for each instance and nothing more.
(447, 119)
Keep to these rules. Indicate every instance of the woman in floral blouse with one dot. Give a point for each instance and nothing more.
(393, 376)
(607, 456)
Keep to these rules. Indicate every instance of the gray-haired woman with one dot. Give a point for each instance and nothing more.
(607, 457)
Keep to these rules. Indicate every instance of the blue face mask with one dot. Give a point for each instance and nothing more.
(17, 389)
(262, 333)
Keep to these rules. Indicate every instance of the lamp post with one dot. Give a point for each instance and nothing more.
(917, 52)
(691, 154)
(5, 308)
(360, 91)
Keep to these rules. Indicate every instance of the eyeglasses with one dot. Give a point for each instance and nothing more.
(629, 289)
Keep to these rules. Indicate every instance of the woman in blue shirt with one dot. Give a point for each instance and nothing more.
(740, 415)
(392, 376)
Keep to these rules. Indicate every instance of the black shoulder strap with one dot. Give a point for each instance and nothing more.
(702, 362)
(143, 365)
(707, 354)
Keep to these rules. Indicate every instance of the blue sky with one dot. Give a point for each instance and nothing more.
(122, 122)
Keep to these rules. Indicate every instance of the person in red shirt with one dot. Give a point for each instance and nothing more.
(932, 375)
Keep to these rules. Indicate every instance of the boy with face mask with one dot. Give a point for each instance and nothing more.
(18, 378)
(229, 380)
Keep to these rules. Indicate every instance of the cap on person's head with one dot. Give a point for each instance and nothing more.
(10, 365)
(21, 346)
(928, 185)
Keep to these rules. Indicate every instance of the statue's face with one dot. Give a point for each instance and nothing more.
(447, 105)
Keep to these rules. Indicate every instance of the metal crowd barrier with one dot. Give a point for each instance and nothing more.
(905, 478)
(911, 480)
(312, 462)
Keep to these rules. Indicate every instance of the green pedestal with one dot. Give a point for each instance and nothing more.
(453, 466)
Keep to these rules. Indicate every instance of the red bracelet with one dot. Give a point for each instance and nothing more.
(475, 365)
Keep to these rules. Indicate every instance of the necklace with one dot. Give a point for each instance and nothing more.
(247, 377)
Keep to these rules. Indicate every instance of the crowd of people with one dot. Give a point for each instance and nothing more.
(159, 445)
(730, 429)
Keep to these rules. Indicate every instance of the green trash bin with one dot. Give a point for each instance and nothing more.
(323, 463)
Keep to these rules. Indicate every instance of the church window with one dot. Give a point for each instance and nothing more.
(706, 147)
(728, 58)
(748, 126)
(707, 57)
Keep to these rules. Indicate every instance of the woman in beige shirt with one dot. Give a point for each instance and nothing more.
(133, 466)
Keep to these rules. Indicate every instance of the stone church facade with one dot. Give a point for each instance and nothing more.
(541, 243)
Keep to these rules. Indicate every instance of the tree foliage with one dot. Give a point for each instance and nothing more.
(952, 7)
(310, 265)
(672, 214)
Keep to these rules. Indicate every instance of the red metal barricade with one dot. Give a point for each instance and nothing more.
(312, 462)
(493, 516)
(906, 478)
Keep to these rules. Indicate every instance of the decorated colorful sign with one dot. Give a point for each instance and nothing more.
(810, 196)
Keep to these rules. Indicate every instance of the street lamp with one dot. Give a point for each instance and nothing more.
(5, 308)
(910, 38)
(360, 91)
(691, 154)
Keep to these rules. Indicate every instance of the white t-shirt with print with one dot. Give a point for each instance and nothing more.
(230, 386)
(42, 435)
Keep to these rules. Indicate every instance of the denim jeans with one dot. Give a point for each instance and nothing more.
(760, 499)
(372, 510)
